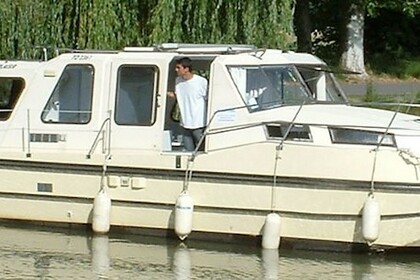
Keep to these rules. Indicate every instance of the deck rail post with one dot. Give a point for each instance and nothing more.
(103, 134)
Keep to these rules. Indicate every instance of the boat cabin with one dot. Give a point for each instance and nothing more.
(96, 101)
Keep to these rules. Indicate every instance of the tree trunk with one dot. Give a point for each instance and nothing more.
(303, 28)
(352, 57)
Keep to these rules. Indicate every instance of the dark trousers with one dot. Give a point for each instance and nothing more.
(192, 137)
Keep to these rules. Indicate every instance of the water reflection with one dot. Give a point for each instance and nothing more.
(270, 264)
(52, 254)
(100, 255)
(362, 267)
(42, 266)
(182, 263)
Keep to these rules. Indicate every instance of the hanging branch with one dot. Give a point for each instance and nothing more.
(114, 24)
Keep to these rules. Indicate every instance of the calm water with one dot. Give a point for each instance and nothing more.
(49, 254)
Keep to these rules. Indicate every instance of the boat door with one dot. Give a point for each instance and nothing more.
(133, 106)
(173, 132)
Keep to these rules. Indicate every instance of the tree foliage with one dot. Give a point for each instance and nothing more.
(408, 7)
(391, 27)
(114, 24)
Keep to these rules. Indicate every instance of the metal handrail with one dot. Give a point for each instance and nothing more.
(208, 131)
(188, 170)
(28, 119)
(372, 181)
(208, 48)
(277, 156)
(102, 130)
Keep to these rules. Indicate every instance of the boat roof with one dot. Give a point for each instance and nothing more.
(231, 54)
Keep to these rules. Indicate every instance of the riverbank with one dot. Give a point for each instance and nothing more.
(391, 94)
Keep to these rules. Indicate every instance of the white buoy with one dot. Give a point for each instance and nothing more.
(371, 218)
(271, 232)
(101, 212)
(184, 208)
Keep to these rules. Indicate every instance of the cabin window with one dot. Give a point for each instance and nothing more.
(361, 137)
(71, 100)
(296, 132)
(322, 84)
(135, 95)
(10, 90)
(266, 87)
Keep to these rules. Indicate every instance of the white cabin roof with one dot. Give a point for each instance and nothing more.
(271, 56)
(230, 54)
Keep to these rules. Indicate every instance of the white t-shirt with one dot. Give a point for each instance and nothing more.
(192, 100)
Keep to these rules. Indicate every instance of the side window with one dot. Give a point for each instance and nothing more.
(71, 100)
(266, 87)
(135, 95)
(10, 90)
(297, 132)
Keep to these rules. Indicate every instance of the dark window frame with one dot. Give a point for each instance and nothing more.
(356, 140)
(298, 132)
(15, 92)
(48, 106)
(152, 101)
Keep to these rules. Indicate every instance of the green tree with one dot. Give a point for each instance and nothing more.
(228, 22)
(352, 36)
(338, 29)
(303, 26)
(113, 24)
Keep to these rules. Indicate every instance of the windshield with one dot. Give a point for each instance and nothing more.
(265, 87)
(322, 84)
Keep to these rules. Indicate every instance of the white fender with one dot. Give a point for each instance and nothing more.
(101, 212)
(371, 218)
(184, 208)
(271, 232)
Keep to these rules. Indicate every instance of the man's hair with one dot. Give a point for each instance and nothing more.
(185, 62)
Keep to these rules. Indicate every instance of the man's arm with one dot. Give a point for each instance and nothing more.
(171, 94)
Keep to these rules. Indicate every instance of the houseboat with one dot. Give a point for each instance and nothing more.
(89, 138)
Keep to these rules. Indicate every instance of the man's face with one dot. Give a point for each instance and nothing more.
(181, 70)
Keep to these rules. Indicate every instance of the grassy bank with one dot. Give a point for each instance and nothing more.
(392, 66)
(405, 103)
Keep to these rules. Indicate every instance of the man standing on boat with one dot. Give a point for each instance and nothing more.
(191, 95)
